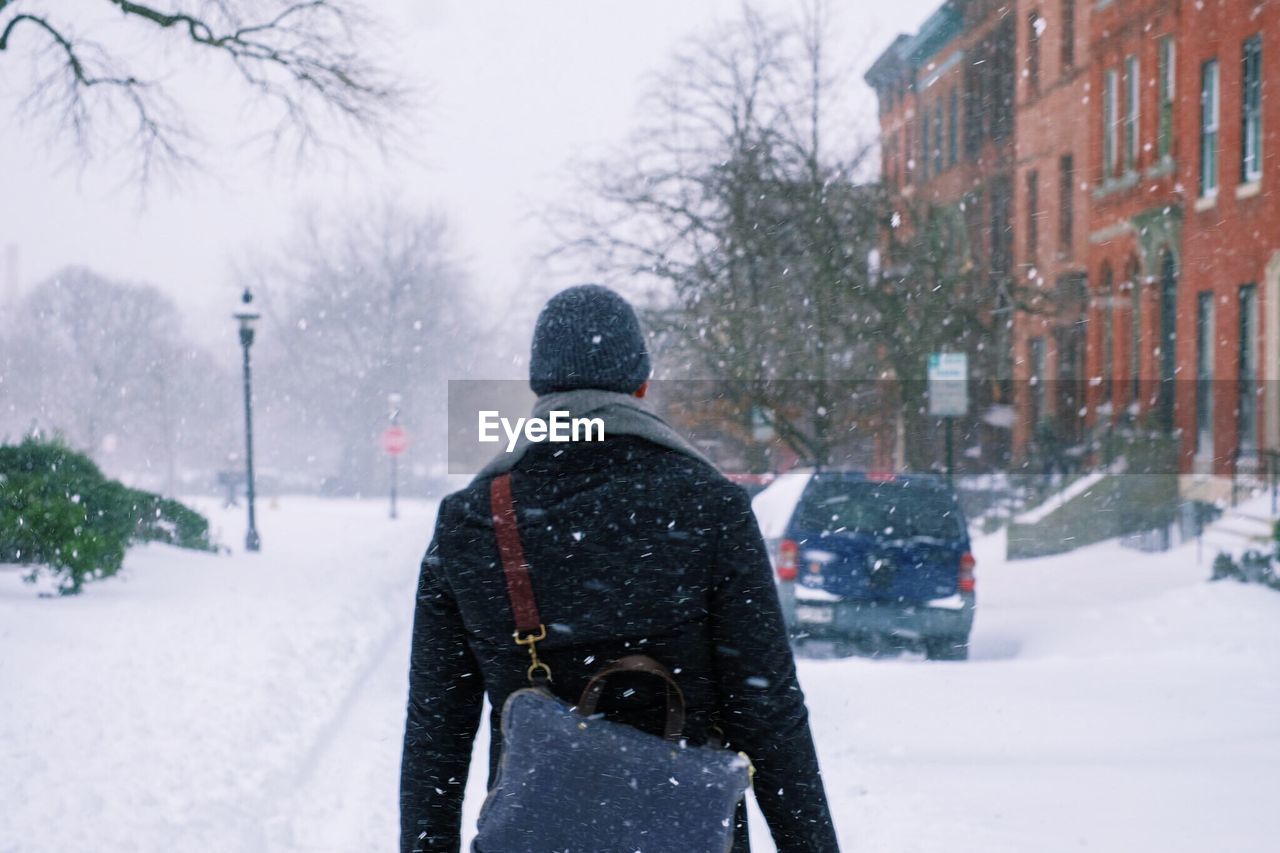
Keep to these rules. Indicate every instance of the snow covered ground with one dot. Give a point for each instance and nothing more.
(1115, 702)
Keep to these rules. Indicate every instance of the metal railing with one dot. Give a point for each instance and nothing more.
(1254, 471)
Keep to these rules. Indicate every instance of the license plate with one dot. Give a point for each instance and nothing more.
(822, 615)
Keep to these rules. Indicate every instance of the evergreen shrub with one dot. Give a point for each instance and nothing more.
(59, 513)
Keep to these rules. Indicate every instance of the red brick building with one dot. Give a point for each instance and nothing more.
(947, 133)
(1051, 217)
(1145, 227)
(1229, 277)
(1134, 213)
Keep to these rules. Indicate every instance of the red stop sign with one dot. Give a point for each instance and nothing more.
(395, 440)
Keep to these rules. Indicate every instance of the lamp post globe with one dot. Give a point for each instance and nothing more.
(246, 316)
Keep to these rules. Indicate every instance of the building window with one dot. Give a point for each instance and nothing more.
(1166, 340)
(953, 128)
(1036, 349)
(1204, 374)
(1110, 123)
(973, 110)
(891, 163)
(1248, 370)
(894, 176)
(906, 153)
(1131, 129)
(924, 144)
(900, 155)
(1251, 97)
(1001, 227)
(1035, 26)
(1166, 56)
(1107, 298)
(1135, 329)
(1072, 333)
(1068, 33)
(1209, 128)
(937, 139)
(1003, 70)
(1033, 215)
(1066, 202)
(974, 223)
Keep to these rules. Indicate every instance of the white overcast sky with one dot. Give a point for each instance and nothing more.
(518, 90)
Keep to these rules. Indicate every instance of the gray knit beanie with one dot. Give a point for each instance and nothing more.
(588, 337)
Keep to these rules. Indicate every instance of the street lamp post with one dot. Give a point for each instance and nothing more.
(246, 315)
(393, 404)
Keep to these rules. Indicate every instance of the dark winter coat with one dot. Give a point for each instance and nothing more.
(632, 548)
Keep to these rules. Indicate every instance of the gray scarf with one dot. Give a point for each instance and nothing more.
(623, 414)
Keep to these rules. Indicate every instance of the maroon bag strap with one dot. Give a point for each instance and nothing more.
(529, 627)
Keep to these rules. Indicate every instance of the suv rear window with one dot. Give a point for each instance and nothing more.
(896, 510)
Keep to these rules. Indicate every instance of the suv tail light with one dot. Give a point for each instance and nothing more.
(787, 557)
(965, 582)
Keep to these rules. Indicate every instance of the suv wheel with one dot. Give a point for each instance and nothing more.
(947, 648)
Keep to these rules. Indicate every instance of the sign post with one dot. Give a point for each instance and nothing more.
(394, 441)
(949, 395)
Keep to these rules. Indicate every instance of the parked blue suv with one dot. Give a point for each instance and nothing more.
(874, 562)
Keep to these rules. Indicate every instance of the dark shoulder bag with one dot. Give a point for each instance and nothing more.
(571, 781)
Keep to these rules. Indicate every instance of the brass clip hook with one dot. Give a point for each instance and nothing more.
(536, 665)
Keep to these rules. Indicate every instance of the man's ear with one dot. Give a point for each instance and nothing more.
(642, 390)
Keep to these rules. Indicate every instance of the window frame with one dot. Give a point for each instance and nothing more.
(953, 128)
(908, 154)
(1036, 357)
(1033, 215)
(1251, 109)
(1210, 126)
(1247, 377)
(1067, 47)
(924, 144)
(1106, 291)
(1206, 338)
(1066, 202)
(939, 162)
(1167, 65)
(1132, 275)
(1110, 127)
(1033, 51)
(1133, 111)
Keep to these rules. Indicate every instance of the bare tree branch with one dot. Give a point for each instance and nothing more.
(309, 63)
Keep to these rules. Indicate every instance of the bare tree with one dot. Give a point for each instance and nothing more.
(99, 73)
(362, 304)
(105, 364)
(810, 294)
(748, 228)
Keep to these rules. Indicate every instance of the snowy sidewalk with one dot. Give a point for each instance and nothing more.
(1116, 702)
(183, 706)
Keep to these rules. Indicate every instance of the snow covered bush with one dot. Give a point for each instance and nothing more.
(1225, 568)
(59, 513)
(1253, 567)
